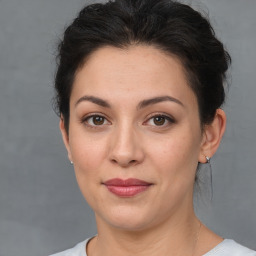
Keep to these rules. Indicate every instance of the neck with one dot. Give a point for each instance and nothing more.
(176, 235)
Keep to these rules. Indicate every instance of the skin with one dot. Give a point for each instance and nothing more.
(128, 141)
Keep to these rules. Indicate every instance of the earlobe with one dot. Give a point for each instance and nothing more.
(212, 136)
(65, 137)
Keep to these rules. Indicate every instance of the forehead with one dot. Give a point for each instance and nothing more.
(140, 59)
(137, 70)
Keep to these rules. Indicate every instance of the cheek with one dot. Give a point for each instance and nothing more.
(174, 150)
(176, 155)
(88, 153)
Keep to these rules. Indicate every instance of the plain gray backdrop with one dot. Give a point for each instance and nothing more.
(41, 208)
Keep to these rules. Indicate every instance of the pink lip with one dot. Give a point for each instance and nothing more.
(126, 188)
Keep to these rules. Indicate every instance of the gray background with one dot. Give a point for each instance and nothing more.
(41, 209)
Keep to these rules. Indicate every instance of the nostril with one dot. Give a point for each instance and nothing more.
(113, 161)
(123, 163)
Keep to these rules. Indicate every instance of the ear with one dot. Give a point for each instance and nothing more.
(212, 136)
(65, 137)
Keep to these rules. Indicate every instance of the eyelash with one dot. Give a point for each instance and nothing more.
(86, 118)
(167, 118)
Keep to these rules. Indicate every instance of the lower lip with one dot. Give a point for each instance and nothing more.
(127, 191)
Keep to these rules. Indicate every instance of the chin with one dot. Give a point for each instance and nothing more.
(127, 218)
(130, 225)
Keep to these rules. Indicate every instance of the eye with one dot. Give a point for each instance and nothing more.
(160, 120)
(95, 120)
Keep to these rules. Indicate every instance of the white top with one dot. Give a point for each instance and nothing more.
(226, 248)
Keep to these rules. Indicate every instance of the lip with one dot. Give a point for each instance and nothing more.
(126, 188)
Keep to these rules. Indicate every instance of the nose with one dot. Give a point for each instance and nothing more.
(126, 147)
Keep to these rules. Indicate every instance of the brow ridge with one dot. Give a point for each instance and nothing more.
(156, 100)
(95, 100)
(141, 105)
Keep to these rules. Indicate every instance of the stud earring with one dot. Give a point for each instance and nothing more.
(71, 162)
(207, 159)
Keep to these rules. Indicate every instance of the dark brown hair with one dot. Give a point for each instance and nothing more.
(170, 26)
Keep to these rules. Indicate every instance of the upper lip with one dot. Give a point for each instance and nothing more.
(126, 183)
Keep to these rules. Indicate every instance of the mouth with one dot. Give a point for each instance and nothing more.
(126, 188)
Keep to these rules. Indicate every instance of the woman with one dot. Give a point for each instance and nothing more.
(139, 89)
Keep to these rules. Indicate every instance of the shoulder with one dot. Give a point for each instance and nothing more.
(229, 247)
(78, 250)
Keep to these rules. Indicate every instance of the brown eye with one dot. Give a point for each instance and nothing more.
(95, 120)
(159, 120)
(98, 120)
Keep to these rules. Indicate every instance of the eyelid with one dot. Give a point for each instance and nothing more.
(91, 115)
(168, 117)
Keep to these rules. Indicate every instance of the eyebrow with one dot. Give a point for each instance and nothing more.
(156, 100)
(95, 100)
(142, 104)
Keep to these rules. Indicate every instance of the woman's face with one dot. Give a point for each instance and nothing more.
(134, 136)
